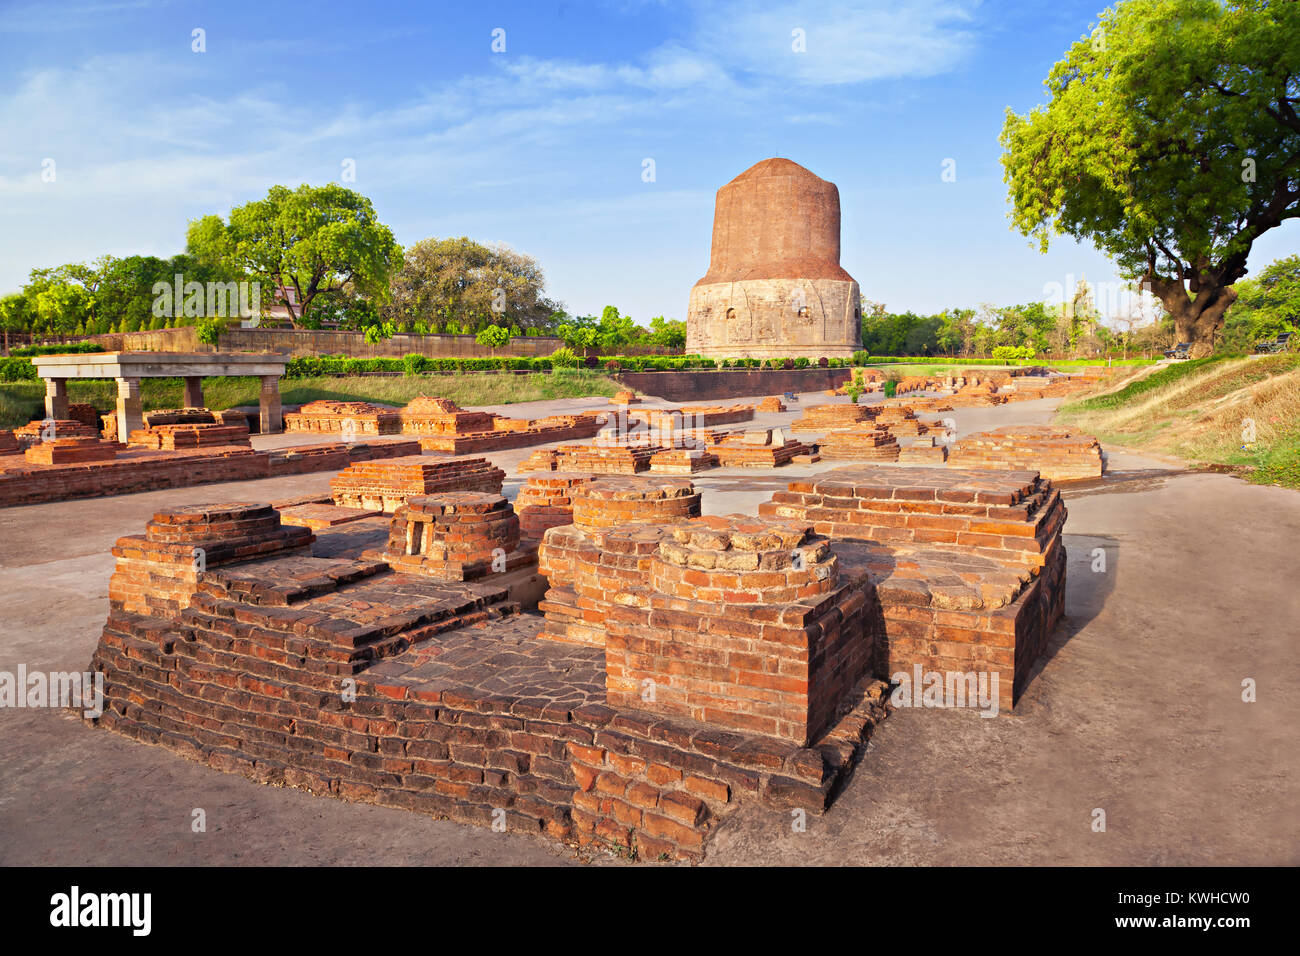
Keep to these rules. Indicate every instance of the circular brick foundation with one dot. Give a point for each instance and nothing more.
(736, 559)
(610, 502)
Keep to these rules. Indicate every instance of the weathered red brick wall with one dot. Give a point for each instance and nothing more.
(744, 624)
(697, 385)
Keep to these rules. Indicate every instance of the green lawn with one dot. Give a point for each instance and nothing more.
(21, 402)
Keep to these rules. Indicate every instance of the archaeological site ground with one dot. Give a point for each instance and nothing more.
(935, 628)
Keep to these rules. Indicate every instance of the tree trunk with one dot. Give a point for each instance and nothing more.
(1196, 319)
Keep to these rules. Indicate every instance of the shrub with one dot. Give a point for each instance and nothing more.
(563, 358)
(860, 357)
(823, 362)
(854, 392)
(17, 370)
(493, 337)
(1006, 353)
(413, 364)
(802, 362)
(209, 330)
(891, 387)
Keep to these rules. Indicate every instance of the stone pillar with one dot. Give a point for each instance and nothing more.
(193, 391)
(130, 411)
(272, 421)
(56, 398)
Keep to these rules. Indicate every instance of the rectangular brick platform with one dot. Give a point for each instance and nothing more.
(923, 451)
(746, 451)
(863, 442)
(1058, 453)
(355, 418)
(694, 416)
(593, 459)
(514, 433)
(317, 516)
(70, 451)
(968, 566)
(824, 418)
(682, 461)
(175, 437)
(385, 485)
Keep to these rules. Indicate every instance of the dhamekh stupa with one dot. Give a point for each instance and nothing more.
(775, 288)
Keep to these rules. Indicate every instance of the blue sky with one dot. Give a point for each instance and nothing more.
(542, 146)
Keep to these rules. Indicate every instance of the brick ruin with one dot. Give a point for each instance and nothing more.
(40, 430)
(167, 418)
(343, 418)
(1058, 453)
(617, 526)
(546, 501)
(968, 566)
(440, 425)
(457, 536)
(81, 466)
(680, 665)
(764, 448)
(741, 623)
(675, 667)
(70, 451)
(386, 485)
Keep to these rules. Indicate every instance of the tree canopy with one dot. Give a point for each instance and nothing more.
(460, 286)
(1171, 141)
(319, 241)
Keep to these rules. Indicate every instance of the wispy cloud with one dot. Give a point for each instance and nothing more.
(46, 18)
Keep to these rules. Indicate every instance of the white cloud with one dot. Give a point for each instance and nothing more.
(844, 42)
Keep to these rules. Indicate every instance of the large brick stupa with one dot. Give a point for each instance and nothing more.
(775, 287)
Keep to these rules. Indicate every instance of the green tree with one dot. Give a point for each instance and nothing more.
(316, 240)
(1171, 141)
(493, 337)
(615, 330)
(1266, 305)
(579, 333)
(15, 315)
(667, 333)
(459, 284)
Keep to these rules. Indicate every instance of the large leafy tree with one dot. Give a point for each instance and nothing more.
(461, 285)
(1170, 140)
(315, 240)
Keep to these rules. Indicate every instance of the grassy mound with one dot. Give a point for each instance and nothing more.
(1230, 411)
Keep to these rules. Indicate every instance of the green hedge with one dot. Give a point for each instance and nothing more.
(17, 370)
(311, 366)
(70, 348)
